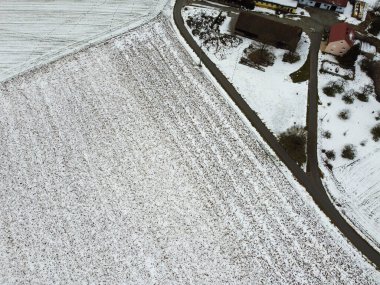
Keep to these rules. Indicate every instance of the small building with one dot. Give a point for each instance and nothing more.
(341, 39)
(333, 5)
(268, 31)
(360, 10)
(282, 6)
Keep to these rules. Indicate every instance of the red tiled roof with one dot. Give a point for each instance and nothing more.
(340, 32)
(341, 3)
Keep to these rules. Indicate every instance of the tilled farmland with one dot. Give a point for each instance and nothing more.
(34, 31)
(123, 164)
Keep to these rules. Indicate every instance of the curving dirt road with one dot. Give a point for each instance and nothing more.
(310, 181)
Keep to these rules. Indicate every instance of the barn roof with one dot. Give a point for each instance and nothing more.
(340, 32)
(341, 3)
(268, 30)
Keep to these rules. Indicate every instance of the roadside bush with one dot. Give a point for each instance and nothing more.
(348, 152)
(294, 142)
(374, 28)
(344, 114)
(326, 135)
(328, 165)
(348, 60)
(348, 98)
(330, 154)
(333, 88)
(375, 131)
(291, 57)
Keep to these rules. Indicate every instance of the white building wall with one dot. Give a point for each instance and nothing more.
(323, 5)
(340, 9)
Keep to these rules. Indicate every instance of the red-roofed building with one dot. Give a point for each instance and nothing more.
(333, 5)
(341, 39)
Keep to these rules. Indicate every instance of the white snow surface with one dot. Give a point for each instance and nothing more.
(35, 31)
(354, 184)
(279, 102)
(123, 164)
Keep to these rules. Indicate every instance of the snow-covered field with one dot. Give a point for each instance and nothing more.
(32, 31)
(354, 184)
(123, 164)
(279, 102)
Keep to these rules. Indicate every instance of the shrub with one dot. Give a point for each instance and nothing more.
(291, 57)
(190, 22)
(330, 154)
(375, 131)
(333, 88)
(348, 60)
(374, 28)
(195, 32)
(368, 89)
(326, 134)
(328, 165)
(366, 66)
(262, 56)
(294, 142)
(361, 96)
(348, 98)
(348, 152)
(344, 114)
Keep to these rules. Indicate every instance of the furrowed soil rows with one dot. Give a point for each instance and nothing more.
(124, 164)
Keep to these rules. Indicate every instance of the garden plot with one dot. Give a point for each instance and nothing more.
(333, 68)
(279, 102)
(346, 120)
(33, 31)
(124, 164)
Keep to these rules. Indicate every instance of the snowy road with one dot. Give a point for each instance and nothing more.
(34, 31)
(124, 164)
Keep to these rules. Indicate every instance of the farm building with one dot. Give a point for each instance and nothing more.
(268, 31)
(341, 39)
(283, 6)
(333, 5)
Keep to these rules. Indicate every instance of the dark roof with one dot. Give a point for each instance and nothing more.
(267, 30)
(340, 32)
(341, 3)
